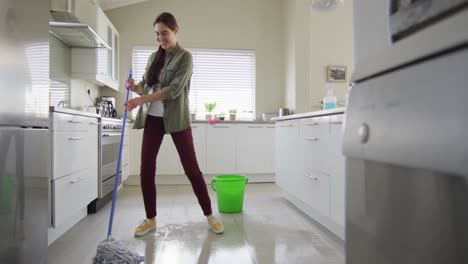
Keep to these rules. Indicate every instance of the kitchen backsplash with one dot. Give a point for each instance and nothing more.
(79, 96)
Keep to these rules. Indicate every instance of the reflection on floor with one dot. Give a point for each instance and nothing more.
(269, 230)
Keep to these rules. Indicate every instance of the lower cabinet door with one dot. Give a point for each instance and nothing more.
(315, 191)
(72, 193)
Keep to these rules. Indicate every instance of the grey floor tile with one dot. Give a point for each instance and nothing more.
(269, 230)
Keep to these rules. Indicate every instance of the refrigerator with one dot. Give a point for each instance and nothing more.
(405, 137)
(24, 136)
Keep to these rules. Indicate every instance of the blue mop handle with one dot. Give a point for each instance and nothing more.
(119, 161)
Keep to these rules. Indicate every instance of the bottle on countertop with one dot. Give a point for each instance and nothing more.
(350, 86)
(330, 100)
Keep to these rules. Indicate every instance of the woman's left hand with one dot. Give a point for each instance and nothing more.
(133, 103)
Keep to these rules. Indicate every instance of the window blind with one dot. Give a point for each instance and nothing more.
(224, 76)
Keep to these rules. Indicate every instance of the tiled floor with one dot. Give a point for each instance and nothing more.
(269, 230)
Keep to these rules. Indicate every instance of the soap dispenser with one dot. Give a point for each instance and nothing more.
(330, 100)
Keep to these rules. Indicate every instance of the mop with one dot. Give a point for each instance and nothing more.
(111, 250)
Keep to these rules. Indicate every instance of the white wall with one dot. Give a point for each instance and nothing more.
(60, 70)
(331, 42)
(240, 24)
(315, 39)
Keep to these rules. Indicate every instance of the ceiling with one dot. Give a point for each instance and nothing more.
(110, 4)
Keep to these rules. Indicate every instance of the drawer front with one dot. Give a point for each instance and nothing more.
(314, 138)
(314, 127)
(71, 194)
(66, 122)
(70, 153)
(317, 191)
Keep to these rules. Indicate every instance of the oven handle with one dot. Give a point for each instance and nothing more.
(110, 135)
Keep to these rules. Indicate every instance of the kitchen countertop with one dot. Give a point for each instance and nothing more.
(72, 111)
(234, 122)
(334, 111)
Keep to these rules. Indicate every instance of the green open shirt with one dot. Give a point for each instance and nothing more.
(174, 80)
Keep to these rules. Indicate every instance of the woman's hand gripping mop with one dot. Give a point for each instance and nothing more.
(111, 250)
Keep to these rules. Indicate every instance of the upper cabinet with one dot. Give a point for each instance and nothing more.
(99, 65)
(85, 11)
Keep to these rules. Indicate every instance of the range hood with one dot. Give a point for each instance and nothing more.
(66, 27)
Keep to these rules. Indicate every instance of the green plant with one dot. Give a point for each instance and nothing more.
(232, 111)
(209, 107)
(221, 115)
(193, 111)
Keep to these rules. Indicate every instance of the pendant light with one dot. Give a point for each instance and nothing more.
(325, 4)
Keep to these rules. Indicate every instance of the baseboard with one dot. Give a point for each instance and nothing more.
(336, 231)
(55, 233)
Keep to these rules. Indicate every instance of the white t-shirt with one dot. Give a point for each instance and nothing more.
(156, 108)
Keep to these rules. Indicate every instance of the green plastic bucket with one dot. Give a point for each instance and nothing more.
(229, 192)
(7, 190)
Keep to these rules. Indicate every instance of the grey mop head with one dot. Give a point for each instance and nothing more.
(115, 252)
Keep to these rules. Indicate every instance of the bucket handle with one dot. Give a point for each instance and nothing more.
(213, 184)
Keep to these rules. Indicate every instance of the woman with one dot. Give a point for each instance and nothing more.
(168, 72)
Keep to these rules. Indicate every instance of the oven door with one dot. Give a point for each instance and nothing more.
(406, 165)
(110, 142)
(390, 34)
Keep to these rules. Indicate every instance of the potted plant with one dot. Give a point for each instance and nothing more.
(221, 116)
(209, 107)
(193, 114)
(232, 114)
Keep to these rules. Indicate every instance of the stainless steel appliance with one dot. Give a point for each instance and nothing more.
(405, 134)
(24, 152)
(283, 112)
(67, 27)
(108, 103)
(109, 140)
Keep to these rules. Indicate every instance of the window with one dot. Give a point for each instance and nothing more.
(226, 77)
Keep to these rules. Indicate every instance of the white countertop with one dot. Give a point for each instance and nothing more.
(72, 111)
(334, 111)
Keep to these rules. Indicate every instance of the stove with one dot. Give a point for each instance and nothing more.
(109, 141)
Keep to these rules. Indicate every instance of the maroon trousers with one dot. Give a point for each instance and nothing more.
(153, 135)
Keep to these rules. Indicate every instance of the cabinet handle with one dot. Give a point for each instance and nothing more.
(75, 122)
(337, 122)
(270, 127)
(194, 126)
(220, 127)
(311, 177)
(77, 180)
(312, 139)
(254, 127)
(288, 125)
(92, 123)
(76, 138)
(311, 124)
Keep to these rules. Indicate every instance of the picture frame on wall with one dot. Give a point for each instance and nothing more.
(337, 73)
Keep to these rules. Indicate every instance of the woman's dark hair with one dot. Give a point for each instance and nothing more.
(155, 69)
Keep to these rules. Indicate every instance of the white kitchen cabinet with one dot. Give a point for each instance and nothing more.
(74, 179)
(85, 11)
(337, 171)
(126, 154)
(255, 148)
(287, 154)
(199, 141)
(314, 137)
(316, 191)
(221, 149)
(72, 193)
(168, 161)
(99, 65)
(310, 168)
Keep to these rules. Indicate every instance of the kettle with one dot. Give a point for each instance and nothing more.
(283, 112)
